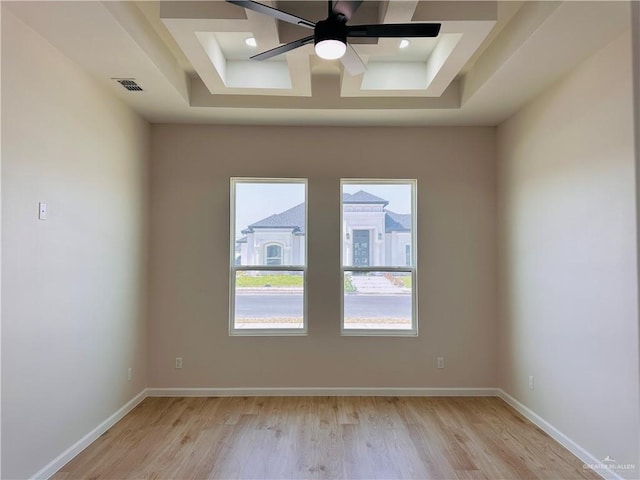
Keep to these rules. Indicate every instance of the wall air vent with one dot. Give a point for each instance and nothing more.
(129, 83)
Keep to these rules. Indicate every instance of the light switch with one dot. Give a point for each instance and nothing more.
(42, 211)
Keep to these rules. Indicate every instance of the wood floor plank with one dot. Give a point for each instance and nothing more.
(347, 412)
(356, 462)
(324, 438)
(434, 463)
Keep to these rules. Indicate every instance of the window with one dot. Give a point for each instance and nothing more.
(274, 255)
(378, 257)
(268, 256)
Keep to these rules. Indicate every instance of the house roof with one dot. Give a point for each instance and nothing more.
(397, 222)
(363, 197)
(294, 217)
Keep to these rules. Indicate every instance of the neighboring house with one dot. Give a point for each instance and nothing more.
(275, 240)
(374, 236)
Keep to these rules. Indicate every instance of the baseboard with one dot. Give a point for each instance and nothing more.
(322, 392)
(68, 455)
(586, 457)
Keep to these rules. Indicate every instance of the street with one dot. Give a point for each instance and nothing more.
(290, 305)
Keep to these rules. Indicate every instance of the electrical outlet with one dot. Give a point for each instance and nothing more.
(531, 382)
(440, 362)
(129, 374)
(178, 362)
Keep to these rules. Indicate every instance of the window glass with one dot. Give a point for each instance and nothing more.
(268, 263)
(378, 261)
(270, 214)
(269, 300)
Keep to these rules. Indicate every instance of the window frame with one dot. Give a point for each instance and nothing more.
(233, 268)
(413, 269)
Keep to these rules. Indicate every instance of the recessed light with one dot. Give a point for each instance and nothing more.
(404, 43)
(250, 41)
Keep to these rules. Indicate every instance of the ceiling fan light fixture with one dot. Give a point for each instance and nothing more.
(330, 49)
(330, 38)
(330, 35)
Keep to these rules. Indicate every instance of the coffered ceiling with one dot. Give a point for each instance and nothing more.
(192, 61)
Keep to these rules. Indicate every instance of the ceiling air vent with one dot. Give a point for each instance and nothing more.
(129, 83)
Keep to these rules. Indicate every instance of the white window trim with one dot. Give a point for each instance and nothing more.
(264, 332)
(370, 332)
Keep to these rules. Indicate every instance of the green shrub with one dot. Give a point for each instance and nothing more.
(348, 286)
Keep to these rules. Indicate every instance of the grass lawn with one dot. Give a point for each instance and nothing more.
(402, 281)
(269, 281)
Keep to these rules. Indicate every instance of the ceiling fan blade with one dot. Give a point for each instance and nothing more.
(352, 61)
(394, 30)
(346, 8)
(273, 12)
(282, 48)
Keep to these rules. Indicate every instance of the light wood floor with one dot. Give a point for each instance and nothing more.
(325, 437)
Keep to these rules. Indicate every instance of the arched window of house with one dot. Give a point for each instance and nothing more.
(274, 254)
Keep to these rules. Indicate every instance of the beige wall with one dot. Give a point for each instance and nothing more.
(567, 235)
(73, 286)
(190, 257)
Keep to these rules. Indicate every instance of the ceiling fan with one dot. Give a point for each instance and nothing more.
(330, 35)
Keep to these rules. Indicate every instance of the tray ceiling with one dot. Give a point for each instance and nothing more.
(192, 61)
(214, 43)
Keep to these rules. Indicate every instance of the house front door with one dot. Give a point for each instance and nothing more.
(361, 248)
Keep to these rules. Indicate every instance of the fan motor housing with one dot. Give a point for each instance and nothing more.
(330, 29)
